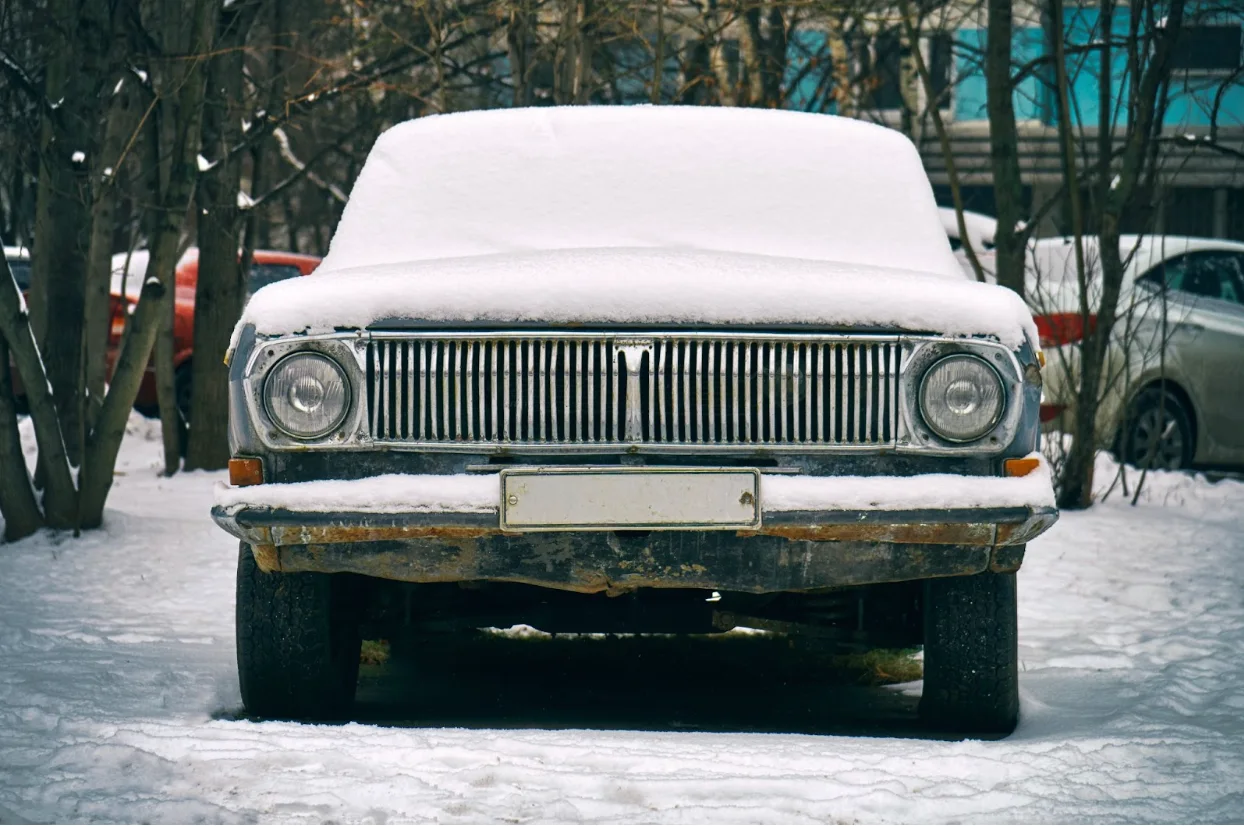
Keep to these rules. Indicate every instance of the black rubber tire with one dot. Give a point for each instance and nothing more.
(1155, 406)
(298, 643)
(971, 674)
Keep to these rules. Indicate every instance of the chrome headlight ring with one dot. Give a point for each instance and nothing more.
(961, 398)
(306, 395)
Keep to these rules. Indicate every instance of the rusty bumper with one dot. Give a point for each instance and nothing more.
(793, 551)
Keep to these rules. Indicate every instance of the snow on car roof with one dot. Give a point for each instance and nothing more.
(641, 215)
(731, 180)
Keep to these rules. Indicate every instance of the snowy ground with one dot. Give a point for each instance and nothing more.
(118, 698)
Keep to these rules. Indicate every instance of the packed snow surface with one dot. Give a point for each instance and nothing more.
(732, 180)
(640, 287)
(480, 493)
(390, 493)
(933, 490)
(119, 701)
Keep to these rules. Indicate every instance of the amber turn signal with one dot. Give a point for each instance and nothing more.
(243, 472)
(1021, 467)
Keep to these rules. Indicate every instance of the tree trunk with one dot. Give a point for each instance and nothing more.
(842, 93)
(220, 292)
(948, 156)
(18, 504)
(1004, 147)
(1077, 483)
(519, 36)
(185, 81)
(79, 46)
(97, 304)
(60, 499)
(105, 441)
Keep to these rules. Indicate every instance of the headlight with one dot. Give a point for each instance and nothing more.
(306, 395)
(961, 398)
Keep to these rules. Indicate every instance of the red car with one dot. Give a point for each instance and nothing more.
(267, 267)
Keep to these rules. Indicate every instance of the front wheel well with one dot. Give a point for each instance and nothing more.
(1176, 390)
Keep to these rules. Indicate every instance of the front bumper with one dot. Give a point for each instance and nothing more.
(808, 545)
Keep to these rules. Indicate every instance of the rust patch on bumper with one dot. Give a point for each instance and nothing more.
(795, 551)
(267, 558)
(344, 532)
(1018, 533)
(921, 533)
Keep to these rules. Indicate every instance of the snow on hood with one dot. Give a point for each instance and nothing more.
(638, 286)
(734, 180)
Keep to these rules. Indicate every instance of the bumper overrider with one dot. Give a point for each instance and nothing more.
(806, 533)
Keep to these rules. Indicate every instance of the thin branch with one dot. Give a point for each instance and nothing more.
(287, 153)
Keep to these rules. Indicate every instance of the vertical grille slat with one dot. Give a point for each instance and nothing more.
(690, 390)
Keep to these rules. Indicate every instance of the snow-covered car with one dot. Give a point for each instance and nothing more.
(980, 231)
(604, 369)
(1173, 388)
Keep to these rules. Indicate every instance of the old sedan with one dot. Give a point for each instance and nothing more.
(635, 369)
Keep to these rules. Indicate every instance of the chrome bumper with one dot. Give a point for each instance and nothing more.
(791, 551)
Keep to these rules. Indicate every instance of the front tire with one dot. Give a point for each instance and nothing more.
(971, 674)
(1157, 433)
(298, 643)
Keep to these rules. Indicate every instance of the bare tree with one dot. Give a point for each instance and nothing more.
(221, 287)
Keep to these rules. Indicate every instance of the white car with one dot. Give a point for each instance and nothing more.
(980, 231)
(1174, 383)
(19, 263)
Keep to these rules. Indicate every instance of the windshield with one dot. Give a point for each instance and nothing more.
(21, 272)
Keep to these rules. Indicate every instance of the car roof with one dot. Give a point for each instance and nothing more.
(515, 181)
(1051, 262)
(982, 227)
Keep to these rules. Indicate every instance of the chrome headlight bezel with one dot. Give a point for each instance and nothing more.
(283, 425)
(344, 351)
(923, 402)
(920, 354)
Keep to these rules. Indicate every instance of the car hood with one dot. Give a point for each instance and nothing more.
(639, 287)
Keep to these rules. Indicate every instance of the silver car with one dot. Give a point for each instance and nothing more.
(1174, 385)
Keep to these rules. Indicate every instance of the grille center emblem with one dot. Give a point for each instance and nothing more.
(632, 350)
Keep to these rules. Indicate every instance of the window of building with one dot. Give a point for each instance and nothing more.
(941, 57)
(1208, 48)
(884, 71)
(881, 64)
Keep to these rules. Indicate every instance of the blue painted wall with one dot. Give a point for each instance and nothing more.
(1031, 99)
(1192, 96)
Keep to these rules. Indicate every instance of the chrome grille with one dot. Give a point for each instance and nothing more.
(616, 391)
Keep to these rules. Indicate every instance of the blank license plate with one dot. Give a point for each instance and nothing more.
(555, 499)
